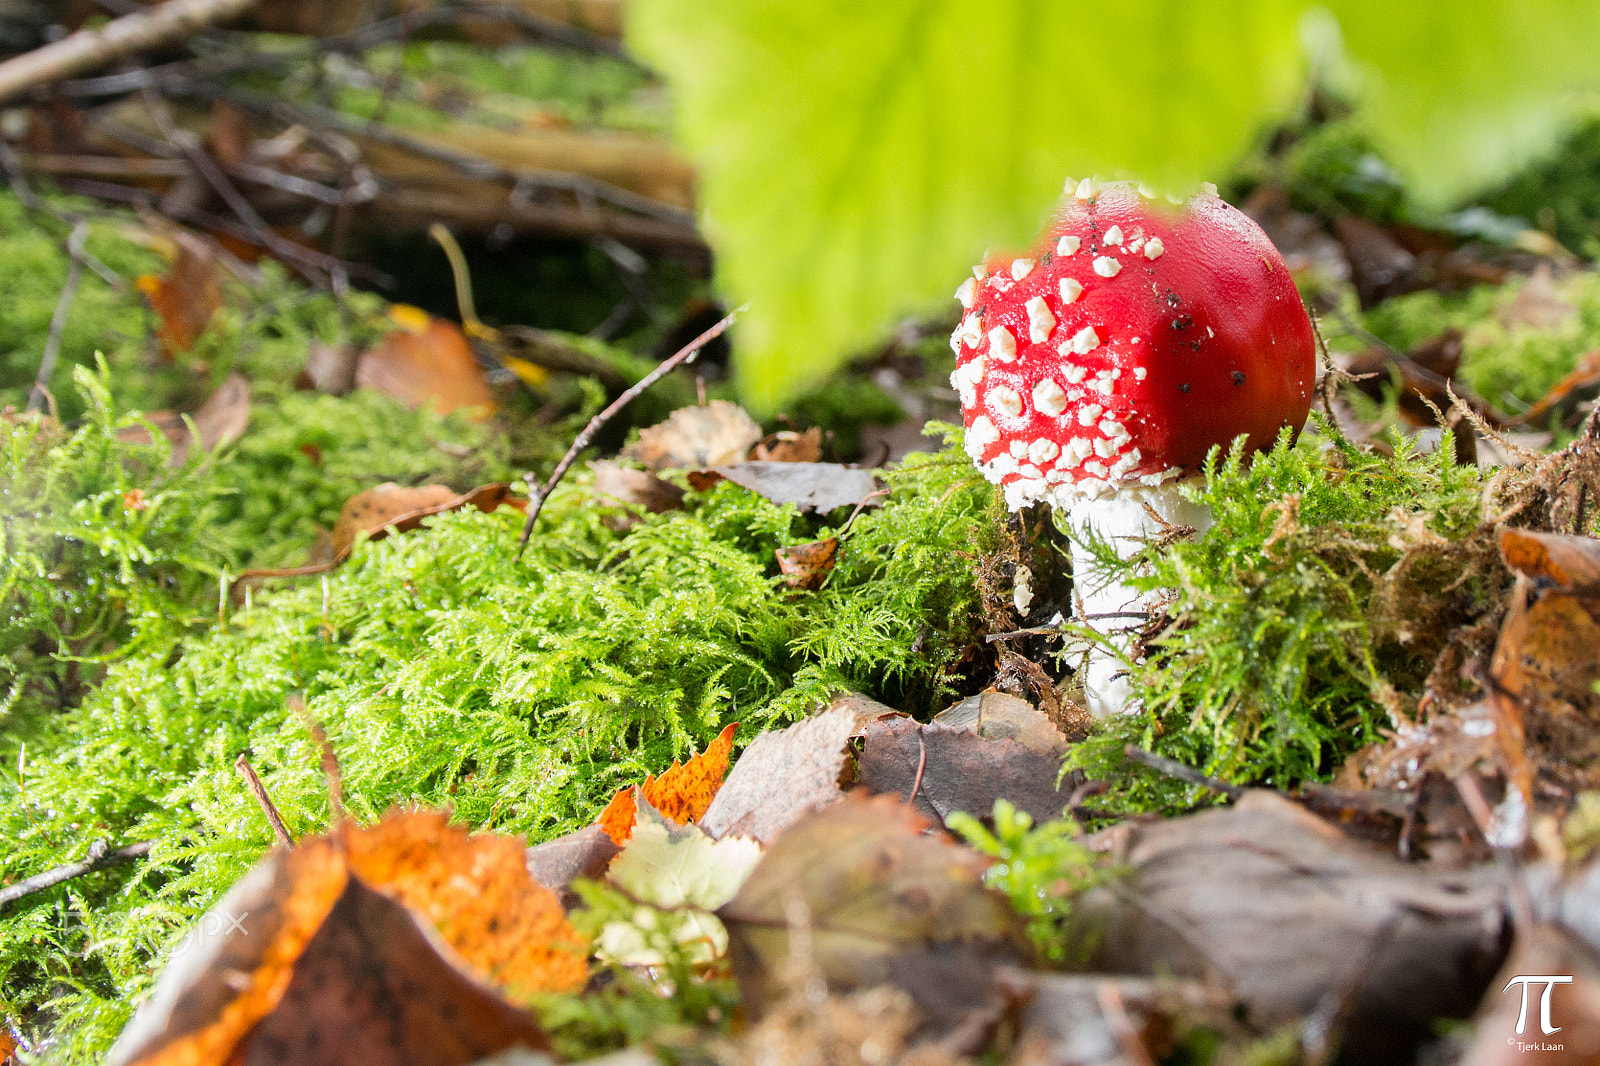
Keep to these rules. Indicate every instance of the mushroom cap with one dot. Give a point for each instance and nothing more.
(1138, 336)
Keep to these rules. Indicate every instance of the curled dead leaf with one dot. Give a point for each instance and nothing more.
(788, 446)
(404, 922)
(806, 566)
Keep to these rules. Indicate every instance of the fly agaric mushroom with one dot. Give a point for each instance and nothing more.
(1098, 373)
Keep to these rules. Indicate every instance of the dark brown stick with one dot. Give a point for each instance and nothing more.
(1174, 769)
(259, 791)
(684, 355)
(97, 858)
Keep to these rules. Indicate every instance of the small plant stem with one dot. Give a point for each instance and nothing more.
(684, 355)
(58, 321)
(264, 801)
(97, 858)
(1175, 769)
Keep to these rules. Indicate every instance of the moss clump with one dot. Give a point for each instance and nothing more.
(521, 693)
(1299, 618)
(1508, 361)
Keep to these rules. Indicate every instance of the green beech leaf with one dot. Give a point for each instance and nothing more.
(1459, 93)
(856, 158)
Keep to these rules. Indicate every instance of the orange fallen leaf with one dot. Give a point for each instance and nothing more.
(682, 793)
(1552, 557)
(476, 891)
(426, 360)
(187, 297)
(806, 566)
(320, 941)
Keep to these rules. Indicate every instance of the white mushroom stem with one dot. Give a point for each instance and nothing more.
(1108, 604)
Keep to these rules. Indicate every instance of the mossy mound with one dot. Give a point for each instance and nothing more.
(521, 693)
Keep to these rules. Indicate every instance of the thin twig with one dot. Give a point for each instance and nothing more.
(96, 858)
(684, 355)
(264, 801)
(1174, 769)
(58, 321)
(922, 764)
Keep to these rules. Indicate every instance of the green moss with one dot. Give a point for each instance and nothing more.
(1560, 193)
(522, 693)
(32, 273)
(1298, 615)
(1508, 362)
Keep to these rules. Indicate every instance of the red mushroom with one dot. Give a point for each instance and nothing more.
(1098, 373)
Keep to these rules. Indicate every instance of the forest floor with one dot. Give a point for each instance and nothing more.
(786, 710)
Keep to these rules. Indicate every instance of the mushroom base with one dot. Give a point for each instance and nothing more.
(1102, 600)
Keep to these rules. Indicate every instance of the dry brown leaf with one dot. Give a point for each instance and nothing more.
(787, 446)
(957, 770)
(860, 892)
(187, 297)
(370, 946)
(585, 852)
(635, 488)
(998, 716)
(806, 566)
(783, 775)
(1292, 917)
(391, 508)
(221, 420)
(681, 793)
(426, 361)
(692, 437)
